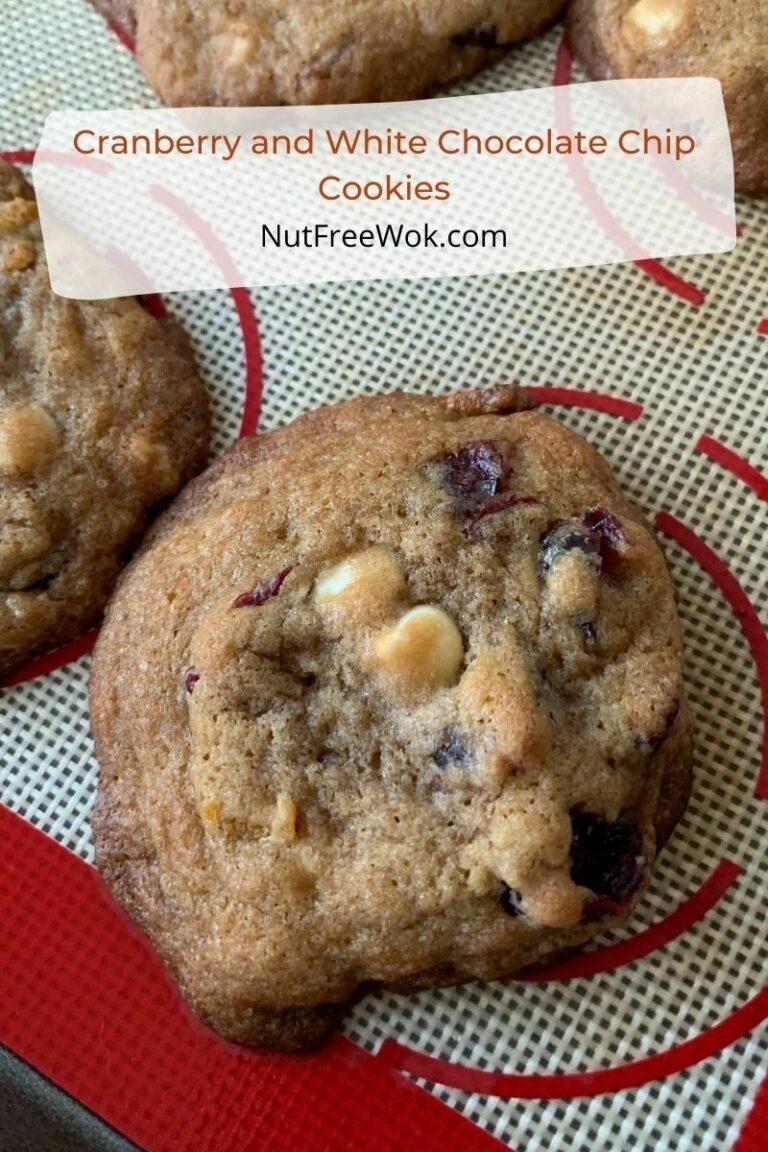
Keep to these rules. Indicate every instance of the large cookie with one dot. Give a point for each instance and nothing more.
(103, 417)
(645, 38)
(391, 696)
(320, 51)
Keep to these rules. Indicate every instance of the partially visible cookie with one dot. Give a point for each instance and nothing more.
(391, 696)
(103, 417)
(320, 51)
(120, 14)
(645, 38)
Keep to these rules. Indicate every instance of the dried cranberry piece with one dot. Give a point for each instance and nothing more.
(607, 534)
(480, 37)
(511, 901)
(605, 857)
(652, 741)
(566, 536)
(475, 471)
(601, 908)
(495, 504)
(190, 679)
(597, 534)
(263, 591)
(453, 749)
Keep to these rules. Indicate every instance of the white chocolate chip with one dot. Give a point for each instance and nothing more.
(422, 652)
(361, 589)
(29, 438)
(655, 19)
(152, 465)
(335, 581)
(237, 44)
(286, 818)
(241, 50)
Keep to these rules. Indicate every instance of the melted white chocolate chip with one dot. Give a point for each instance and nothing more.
(241, 50)
(29, 438)
(361, 589)
(655, 19)
(237, 44)
(422, 652)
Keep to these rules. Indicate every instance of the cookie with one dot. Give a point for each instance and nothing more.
(103, 417)
(392, 696)
(618, 39)
(119, 14)
(333, 52)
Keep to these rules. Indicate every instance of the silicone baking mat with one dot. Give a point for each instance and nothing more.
(656, 1037)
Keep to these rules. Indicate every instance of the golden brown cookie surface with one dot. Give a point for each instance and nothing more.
(727, 39)
(321, 51)
(393, 695)
(103, 417)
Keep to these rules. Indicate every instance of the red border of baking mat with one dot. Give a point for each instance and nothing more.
(85, 1000)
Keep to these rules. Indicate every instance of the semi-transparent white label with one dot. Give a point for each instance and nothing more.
(162, 200)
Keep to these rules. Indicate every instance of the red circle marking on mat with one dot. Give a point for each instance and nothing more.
(117, 30)
(651, 939)
(19, 156)
(155, 305)
(597, 401)
(752, 1135)
(737, 465)
(249, 423)
(567, 1085)
(742, 608)
(762, 327)
(657, 271)
(52, 660)
(85, 999)
(241, 296)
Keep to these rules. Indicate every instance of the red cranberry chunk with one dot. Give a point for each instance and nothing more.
(190, 679)
(494, 504)
(483, 36)
(475, 471)
(605, 857)
(263, 591)
(452, 750)
(608, 535)
(652, 741)
(566, 536)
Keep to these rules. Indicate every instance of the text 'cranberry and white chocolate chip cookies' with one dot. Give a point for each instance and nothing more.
(103, 418)
(391, 696)
(320, 51)
(727, 39)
